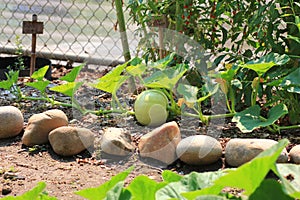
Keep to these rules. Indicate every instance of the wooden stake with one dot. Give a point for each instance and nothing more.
(33, 27)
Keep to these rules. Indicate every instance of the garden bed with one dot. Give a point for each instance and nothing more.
(65, 175)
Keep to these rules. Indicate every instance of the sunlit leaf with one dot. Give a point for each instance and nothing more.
(265, 63)
(67, 89)
(247, 177)
(110, 85)
(39, 85)
(72, 75)
(250, 119)
(39, 74)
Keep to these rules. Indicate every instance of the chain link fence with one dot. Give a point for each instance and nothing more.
(74, 30)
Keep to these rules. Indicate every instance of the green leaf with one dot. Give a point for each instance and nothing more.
(248, 176)
(265, 63)
(188, 92)
(39, 74)
(115, 192)
(250, 119)
(191, 182)
(291, 171)
(39, 85)
(110, 85)
(169, 176)
(6, 84)
(112, 81)
(67, 89)
(136, 70)
(12, 78)
(101, 191)
(163, 63)
(292, 79)
(72, 75)
(166, 78)
(270, 189)
(143, 187)
(211, 91)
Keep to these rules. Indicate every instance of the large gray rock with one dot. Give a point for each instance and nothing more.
(11, 121)
(161, 143)
(116, 141)
(68, 141)
(239, 151)
(199, 150)
(295, 154)
(40, 125)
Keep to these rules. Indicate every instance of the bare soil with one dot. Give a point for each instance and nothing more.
(65, 175)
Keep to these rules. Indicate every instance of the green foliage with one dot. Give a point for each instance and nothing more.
(39, 84)
(67, 89)
(250, 119)
(72, 75)
(262, 65)
(12, 79)
(249, 178)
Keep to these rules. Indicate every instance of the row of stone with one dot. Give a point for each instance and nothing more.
(50, 126)
(165, 144)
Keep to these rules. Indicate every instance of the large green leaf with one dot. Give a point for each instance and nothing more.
(110, 85)
(67, 89)
(188, 92)
(40, 85)
(248, 176)
(170, 176)
(292, 172)
(265, 63)
(72, 75)
(112, 81)
(166, 78)
(292, 82)
(136, 70)
(191, 182)
(163, 63)
(102, 191)
(143, 187)
(39, 74)
(250, 119)
(270, 189)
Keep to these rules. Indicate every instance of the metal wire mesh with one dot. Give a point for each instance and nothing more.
(74, 30)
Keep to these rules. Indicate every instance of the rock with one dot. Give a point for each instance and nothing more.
(6, 190)
(239, 151)
(40, 125)
(116, 141)
(295, 154)
(68, 141)
(11, 121)
(199, 150)
(161, 143)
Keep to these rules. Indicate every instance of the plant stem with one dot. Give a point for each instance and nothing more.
(124, 39)
(288, 127)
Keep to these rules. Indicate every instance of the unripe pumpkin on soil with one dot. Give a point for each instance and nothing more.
(150, 108)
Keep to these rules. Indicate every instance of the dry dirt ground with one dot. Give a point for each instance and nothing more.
(21, 168)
